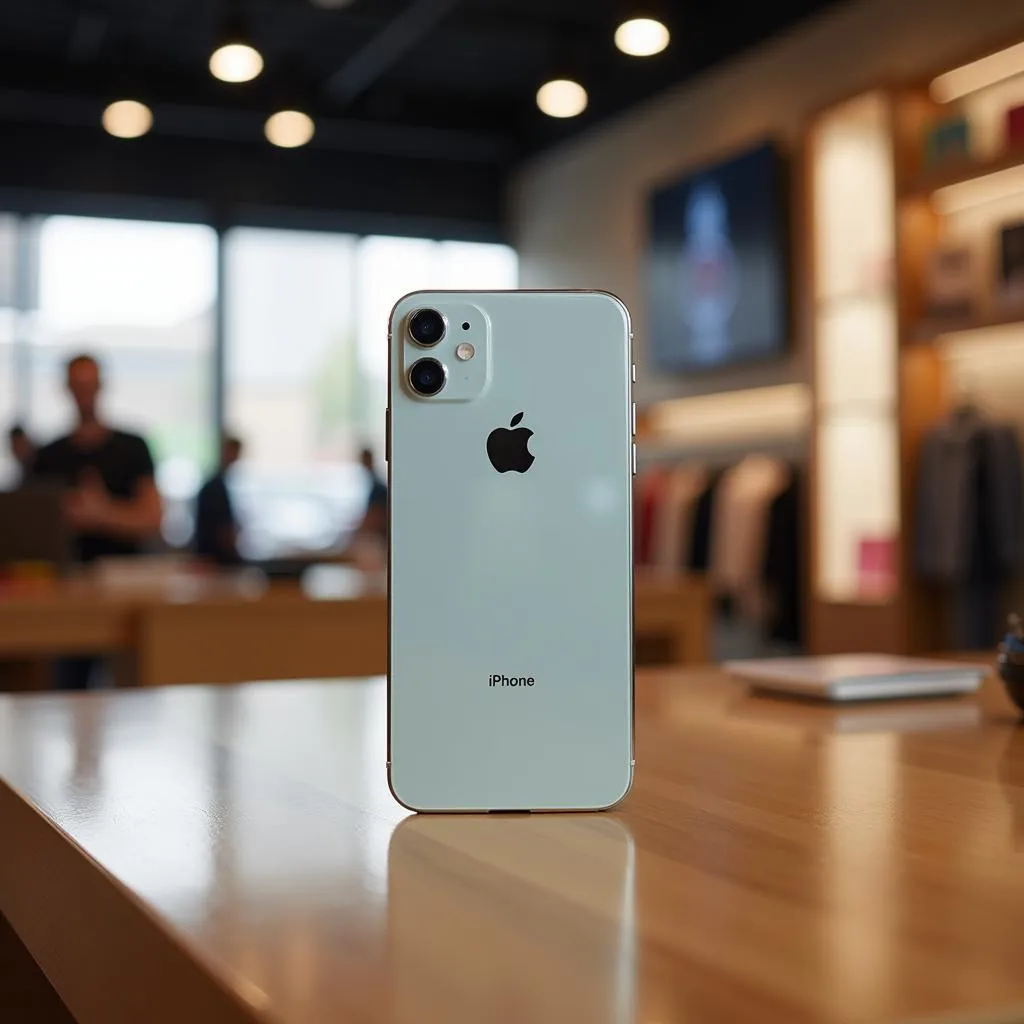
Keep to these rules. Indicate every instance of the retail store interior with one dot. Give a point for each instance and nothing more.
(814, 213)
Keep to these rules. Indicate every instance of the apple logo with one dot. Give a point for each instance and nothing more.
(507, 449)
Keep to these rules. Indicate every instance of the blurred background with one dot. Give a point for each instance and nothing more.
(815, 212)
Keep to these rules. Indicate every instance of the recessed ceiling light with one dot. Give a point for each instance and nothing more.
(289, 128)
(236, 62)
(127, 119)
(562, 97)
(641, 37)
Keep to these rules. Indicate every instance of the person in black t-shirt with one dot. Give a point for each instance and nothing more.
(216, 536)
(112, 504)
(375, 518)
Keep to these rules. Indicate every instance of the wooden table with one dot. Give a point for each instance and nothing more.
(227, 630)
(233, 855)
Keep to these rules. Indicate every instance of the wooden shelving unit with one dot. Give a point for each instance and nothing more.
(919, 370)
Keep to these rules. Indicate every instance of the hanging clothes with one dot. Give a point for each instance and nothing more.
(783, 564)
(740, 529)
(673, 520)
(650, 492)
(700, 531)
(969, 526)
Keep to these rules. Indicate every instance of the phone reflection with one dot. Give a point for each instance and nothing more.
(512, 917)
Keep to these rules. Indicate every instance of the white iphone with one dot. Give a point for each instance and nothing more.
(510, 462)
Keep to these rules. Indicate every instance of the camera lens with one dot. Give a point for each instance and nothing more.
(427, 377)
(426, 327)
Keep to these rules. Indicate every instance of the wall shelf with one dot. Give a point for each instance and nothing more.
(960, 172)
(927, 331)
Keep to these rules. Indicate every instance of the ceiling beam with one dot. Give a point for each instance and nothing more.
(383, 50)
(221, 124)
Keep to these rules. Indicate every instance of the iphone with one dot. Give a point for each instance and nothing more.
(510, 461)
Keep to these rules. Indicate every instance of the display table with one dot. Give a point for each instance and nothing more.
(232, 629)
(233, 855)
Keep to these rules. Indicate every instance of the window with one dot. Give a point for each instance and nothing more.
(140, 296)
(306, 368)
(305, 360)
(293, 388)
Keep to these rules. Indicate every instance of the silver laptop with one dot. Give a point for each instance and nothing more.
(847, 677)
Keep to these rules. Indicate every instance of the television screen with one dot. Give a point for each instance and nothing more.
(718, 286)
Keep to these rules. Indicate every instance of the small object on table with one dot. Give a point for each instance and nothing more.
(1011, 661)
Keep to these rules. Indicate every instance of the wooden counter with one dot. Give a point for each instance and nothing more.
(233, 855)
(227, 630)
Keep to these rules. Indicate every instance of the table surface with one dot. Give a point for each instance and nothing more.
(775, 861)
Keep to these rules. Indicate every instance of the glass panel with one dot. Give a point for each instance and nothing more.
(293, 388)
(138, 295)
(855, 358)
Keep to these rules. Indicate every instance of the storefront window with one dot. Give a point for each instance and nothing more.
(139, 296)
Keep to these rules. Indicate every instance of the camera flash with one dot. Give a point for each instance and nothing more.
(465, 352)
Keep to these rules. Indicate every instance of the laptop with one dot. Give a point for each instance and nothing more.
(850, 677)
(32, 526)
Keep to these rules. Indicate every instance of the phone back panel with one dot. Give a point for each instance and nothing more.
(525, 575)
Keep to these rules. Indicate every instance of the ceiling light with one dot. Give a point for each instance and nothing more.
(641, 37)
(289, 128)
(979, 74)
(562, 97)
(236, 62)
(127, 119)
(975, 191)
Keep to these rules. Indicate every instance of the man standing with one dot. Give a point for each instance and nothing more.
(112, 504)
(375, 518)
(216, 526)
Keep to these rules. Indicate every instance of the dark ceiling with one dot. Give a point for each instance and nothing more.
(422, 106)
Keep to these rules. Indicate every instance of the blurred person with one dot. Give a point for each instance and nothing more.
(112, 504)
(216, 537)
(23, 451)
(375, 517)
(367, 548)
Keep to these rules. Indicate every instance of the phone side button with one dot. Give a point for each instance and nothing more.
(387, 435)
(634, 458)
(632, 372)
(632, 418)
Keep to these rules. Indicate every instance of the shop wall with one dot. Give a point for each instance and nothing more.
(577, 212)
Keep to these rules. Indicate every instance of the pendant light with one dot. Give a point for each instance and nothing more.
(127, 119)
(562, 97)
(642, 27)
(235, 58)
(289, 129)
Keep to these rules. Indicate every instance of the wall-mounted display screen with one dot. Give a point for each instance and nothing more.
(718, 266)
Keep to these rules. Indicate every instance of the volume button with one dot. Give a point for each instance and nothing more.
(632, 372)
(634, 458)
(387, 435)
(632, 418)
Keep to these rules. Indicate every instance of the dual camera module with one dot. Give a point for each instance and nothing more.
(427, 327)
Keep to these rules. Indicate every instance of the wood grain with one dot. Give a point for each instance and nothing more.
(222, 631)
(205, 853)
